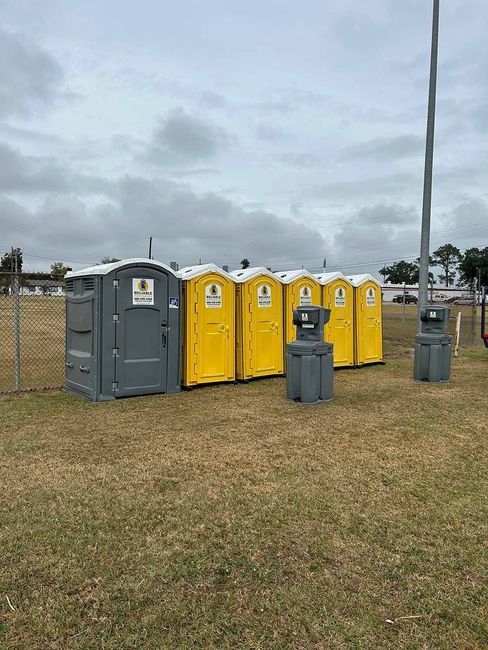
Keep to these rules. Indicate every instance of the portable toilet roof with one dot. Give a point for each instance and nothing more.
(103, 269)
(242, 275)
(190, 272)
(289, 276)
(358, 280)
(325, 278)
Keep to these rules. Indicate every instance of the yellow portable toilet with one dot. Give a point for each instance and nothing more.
(209, 325)
(338, 296)
(300, 289)
(259, 323)
(368, 322)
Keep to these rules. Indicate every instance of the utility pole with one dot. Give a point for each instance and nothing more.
(150, 248)
(429, 157)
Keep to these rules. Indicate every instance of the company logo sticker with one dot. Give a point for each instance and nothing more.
(213, 296)
(340, 297)
(370, 297)
(305, 296)
(142, 291)
(264, 295)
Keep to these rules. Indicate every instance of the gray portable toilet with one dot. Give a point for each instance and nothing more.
(123, 330)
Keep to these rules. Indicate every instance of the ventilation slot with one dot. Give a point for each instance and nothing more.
(88, 284)
(70, 284)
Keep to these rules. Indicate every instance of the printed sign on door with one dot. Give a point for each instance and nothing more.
(264, 295)
(370, 297)
(213, 296)
(142, 291)
(340, 297)
(305, 296)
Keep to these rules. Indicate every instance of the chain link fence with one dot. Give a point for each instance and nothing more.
(400, 305)
(32, 326)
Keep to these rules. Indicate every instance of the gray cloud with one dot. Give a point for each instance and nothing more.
(318, 130)
(302, 160)
(30, 78)
(19, 173)
(186, 226)
(211, 99)
(368, 189)
(386, 149)
(185, 139)
(269, 132)
(28, 135)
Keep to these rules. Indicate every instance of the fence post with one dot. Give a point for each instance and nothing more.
(16, 289)
(458, 332)
(404, 310)
(474, 316)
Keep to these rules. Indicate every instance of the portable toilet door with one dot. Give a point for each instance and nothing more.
(209, 325)
(368, 322)
(259, 320)
(123, 330)
(338, 296)
(300, 289)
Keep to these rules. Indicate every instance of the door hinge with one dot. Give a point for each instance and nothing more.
(115, 384)
(115, 318)
(115, 351)
(115, 283)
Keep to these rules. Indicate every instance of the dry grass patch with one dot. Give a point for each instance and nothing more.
(227, 517)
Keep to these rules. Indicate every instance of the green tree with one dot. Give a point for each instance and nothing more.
(245, 263)
(7, 263)
(447, 257)
(109, 260)
(59, 270)
(401, 272)
(473, 265)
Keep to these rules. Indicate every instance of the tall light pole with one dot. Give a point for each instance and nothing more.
(429, 157)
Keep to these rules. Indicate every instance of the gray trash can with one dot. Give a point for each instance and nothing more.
(123, 330)
(433, 346)
(309, 359)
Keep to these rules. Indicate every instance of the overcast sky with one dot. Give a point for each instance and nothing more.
(276, 130)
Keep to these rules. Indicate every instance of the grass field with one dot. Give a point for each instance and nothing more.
(42, 323)
(226, 517)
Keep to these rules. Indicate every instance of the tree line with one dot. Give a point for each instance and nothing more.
(458, 268)
(12, 261)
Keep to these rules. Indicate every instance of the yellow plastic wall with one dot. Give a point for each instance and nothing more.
(338, 296)
(368, 323)
(209, 329)
(302, 292)
(259, 330)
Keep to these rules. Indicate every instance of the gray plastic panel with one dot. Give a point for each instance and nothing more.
(432, 358)
(124, 348)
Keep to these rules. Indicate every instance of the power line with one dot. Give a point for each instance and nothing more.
(329, 223)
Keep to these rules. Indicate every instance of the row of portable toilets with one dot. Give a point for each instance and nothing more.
(138, 327)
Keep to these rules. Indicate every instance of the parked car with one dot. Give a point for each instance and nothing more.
(409, 299)
(463, 301)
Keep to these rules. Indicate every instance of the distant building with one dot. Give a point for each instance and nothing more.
(42, 288)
